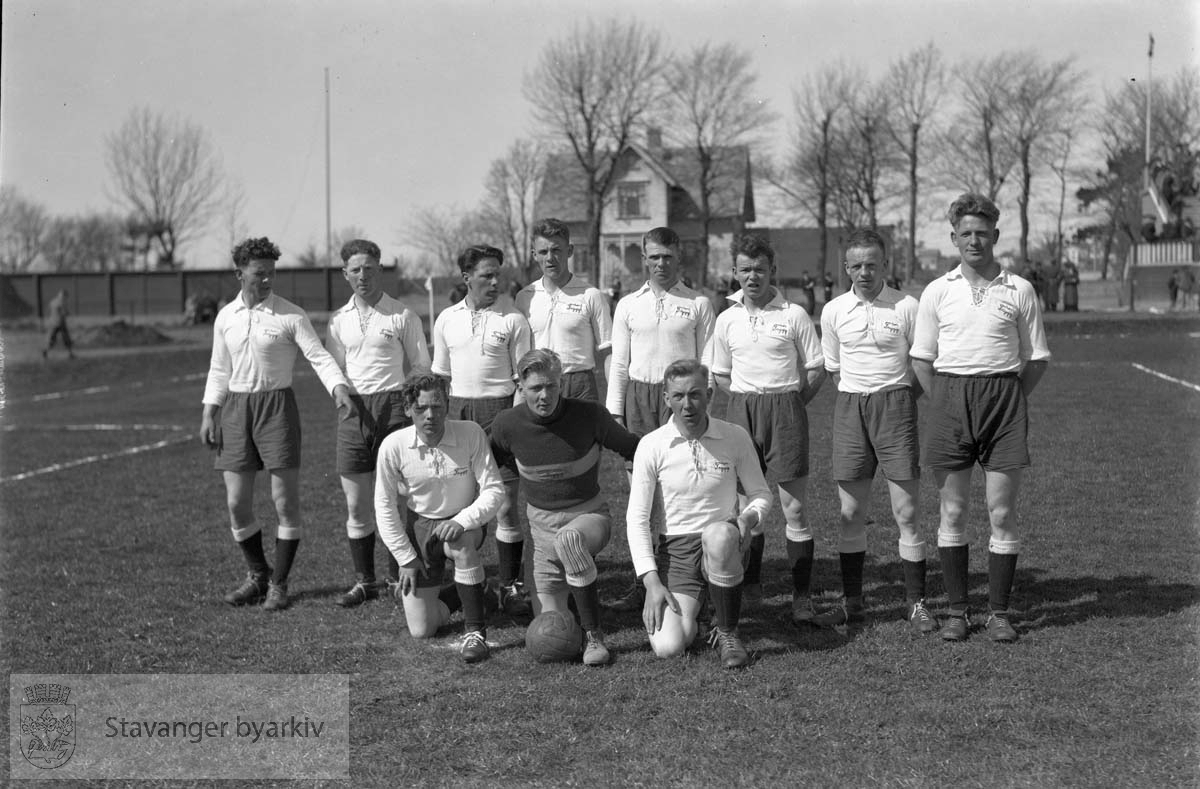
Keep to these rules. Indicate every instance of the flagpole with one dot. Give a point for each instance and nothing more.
(1149, 94)
(1145, 169)
(328, 210)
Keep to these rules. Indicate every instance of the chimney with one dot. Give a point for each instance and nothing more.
(654, 140)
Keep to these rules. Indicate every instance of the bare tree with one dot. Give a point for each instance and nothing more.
(916, 84)
(975, 154)
(91, 242)
(1044, 98)
(511, 189)
(806, 175)
(442, 233)
(865, 157)
(593, 89)
(233, 213)
(166, 173)
(713, 107)
(1059, 164)
(22, 225)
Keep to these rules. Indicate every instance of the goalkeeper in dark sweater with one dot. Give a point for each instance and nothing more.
(554, 443)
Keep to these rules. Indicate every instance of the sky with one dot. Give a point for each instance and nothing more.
(424, 95)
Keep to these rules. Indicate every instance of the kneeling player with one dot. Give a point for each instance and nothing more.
(445, 472)
(554, 442)
(697, 461)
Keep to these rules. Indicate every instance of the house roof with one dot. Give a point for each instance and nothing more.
(563, 194)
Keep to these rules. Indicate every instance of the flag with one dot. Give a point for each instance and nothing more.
(429, 283)
(1150, 54)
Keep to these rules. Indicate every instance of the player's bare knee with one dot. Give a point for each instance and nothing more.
(1003, 517)
(668, 645)
(720, 539)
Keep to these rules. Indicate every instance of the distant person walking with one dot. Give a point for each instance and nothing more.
(58, 325)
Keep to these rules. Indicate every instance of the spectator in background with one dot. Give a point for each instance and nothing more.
(57, 312)
(1070, 279)
(1187, 286)
(1051, 282)
(1173, 286)
(614, 295)
(828, 283)
(808, 287)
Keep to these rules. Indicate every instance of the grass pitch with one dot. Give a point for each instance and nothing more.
(118, 565)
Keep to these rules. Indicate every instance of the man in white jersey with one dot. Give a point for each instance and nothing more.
(866, 334)
(697, 463)
(765, 353)
(378, 343)
(567, 316)
(250, 415)
(437, 488)
(659, 323)
(477, 343)
(979, 350)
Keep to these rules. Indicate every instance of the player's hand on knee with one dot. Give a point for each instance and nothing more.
(448, 531)
(658, 599)
(409, 575)
(745, 525)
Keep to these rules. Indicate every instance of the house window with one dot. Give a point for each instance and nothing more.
(631, 201)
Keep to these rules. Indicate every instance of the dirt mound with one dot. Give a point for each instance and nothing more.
(120, 334)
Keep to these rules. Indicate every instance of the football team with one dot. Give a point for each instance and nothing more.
(431, 450)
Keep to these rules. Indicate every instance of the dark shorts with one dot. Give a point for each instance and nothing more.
(581, 385)
(778, 425)
(482, 411)
(681, 564)
(420, 533)
(258, 430)
(977, 418)
(645, 408)
(359, 435)
(876, 430)
(56, 331)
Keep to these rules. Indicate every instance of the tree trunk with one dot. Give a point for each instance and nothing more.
(593, 238)
(912, 203)
(1023, 200)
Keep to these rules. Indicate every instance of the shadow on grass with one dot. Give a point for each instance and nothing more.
(1041, 599)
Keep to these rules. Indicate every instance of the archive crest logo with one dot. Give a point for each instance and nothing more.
(47, 726)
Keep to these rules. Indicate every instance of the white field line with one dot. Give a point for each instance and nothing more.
(96, 458)
(1165, 377)
(91, 428)
(93, 390)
